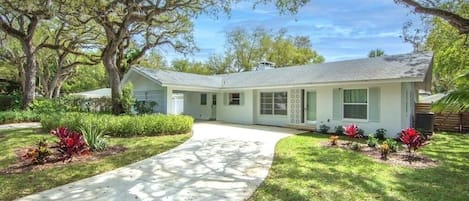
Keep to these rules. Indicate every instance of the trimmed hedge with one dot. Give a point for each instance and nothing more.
(7, 117)
(121, 126)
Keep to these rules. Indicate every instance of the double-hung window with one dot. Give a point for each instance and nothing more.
(273, 103)
(234, 98)
(355, 104)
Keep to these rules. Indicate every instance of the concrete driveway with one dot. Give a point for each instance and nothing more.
(220, 162)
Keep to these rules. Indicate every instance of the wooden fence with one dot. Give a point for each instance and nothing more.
(446, 121)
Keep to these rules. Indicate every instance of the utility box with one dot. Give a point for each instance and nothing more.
(424, 122)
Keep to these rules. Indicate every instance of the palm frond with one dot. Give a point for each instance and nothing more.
(455, 101)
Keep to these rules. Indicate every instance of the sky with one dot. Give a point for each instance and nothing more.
(338, 29)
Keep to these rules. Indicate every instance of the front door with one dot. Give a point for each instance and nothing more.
(310, 112)
(214, 107)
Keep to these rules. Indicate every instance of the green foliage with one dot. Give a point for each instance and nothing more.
(372, 141)
(145, 107)
(184, 65)
(71, 104)
(11, 101)
(7, 117)
(323, 128)
(94, 137)
(361, 132)
(393, 145)
(376, 53)
(339, 130)
(39, 154)
(381, 133)
(127, 99)
(121, 126)
(355, 146)
(86, 78)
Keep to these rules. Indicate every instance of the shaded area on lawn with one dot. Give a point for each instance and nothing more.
(303, 170)
(19, 185)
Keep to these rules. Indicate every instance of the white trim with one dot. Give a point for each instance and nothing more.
(305, 111)
(367, 104)
(273, 104)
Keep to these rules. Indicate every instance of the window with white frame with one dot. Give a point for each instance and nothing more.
(273, 103)
(234, 99)
(355, 104)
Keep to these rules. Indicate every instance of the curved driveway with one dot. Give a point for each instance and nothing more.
(220, 162)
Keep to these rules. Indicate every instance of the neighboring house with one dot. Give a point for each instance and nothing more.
(374, 93)
(97, 93)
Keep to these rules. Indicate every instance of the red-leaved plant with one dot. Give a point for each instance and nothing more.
(412, 139)
(70, 143)
(351, 130)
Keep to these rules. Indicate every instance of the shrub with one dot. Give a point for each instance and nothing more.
(384, 149)
(145, 107)
(393, 145)
(94, 138)
(127, 99)
(381, 133)
(38, 154)
(412, 139)
(70, 143)
(352, 130)
(323, 128)
(339, 130)
(355, 146)
(361, 132)
(333, 140)
(371, 141)
(18, 116)
(121, 126)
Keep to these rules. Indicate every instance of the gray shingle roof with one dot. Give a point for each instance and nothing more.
(396, 67)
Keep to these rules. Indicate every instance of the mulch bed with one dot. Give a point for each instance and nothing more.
(399, 158)
(21, 167)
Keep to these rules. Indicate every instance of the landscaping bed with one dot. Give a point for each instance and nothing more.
(303, 169)
(17, 181)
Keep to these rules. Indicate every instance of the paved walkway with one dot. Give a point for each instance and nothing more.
(220, 162)
(20, 126)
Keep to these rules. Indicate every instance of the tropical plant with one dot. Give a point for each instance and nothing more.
(70, 143)
(323, 128)
(127, 99)
(145, 107)
(333, 140)
(352, 130)
(381, 133)
(355, 146)
(94, 137)
(339, 130)
(393, 145)
(371, 141)
(412, 139)
(37, 155)
(384, 149)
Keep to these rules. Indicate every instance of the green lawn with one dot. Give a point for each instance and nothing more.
(18, 185)
(302, 170)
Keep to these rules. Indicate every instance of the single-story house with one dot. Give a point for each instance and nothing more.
(373, 93)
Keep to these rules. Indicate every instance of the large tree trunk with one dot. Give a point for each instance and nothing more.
(29, 74)
(114, 81)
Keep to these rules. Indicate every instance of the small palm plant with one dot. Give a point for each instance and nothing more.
(94, 138)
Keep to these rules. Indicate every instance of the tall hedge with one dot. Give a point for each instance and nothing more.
(121, 126)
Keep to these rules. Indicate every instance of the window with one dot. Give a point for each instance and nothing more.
(273, 103)
(214, 99)
(234, 99)
(203, 99)
(356, 103)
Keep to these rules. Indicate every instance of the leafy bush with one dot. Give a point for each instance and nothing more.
(355, 146)
(352, 130)
(323, 128)
(94, 138)
(412, 139)
(339, 130)
(18, 116)
(38, 154)
(381, 133)
(71, 104)
(393, 145)
(371, 141)
(145, 107)
(127, 99)
(9, 102)
(121, 126)
(70, 143)
(361, 132)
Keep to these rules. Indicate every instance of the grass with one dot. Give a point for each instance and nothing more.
(302, 170)
(18, 185)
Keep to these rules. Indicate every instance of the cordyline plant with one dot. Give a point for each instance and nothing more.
(70, 143)
(333, 140)
(412, 139)
(351, 131)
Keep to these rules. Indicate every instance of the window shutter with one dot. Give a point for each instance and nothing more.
(225, 98)
(336, 104)
(241, 98)
(374, 104)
